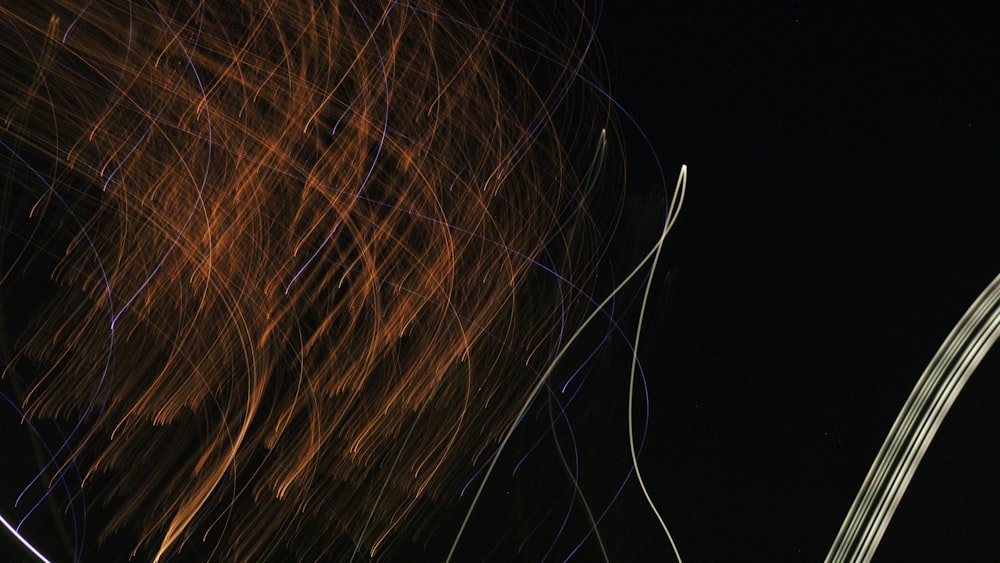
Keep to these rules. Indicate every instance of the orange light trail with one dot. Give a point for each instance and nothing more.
(309, 258)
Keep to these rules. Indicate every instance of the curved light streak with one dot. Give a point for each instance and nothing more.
(915, 427)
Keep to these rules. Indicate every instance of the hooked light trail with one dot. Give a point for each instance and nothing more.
(676, 202)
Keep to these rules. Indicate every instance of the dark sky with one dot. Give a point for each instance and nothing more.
(842, 214)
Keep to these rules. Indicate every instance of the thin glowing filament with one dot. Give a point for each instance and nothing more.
(24, 541)
(675, 205)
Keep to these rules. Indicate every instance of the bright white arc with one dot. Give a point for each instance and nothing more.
(915, 427)
(13, 531)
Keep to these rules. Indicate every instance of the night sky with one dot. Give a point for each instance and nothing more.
(842, 214)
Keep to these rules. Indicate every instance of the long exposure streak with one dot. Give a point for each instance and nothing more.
(959, 356)
(279, 277)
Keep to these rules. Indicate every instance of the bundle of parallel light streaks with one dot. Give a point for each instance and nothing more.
(915, 427)
(311, 257)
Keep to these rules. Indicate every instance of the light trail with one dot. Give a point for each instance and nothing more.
(24, 541)
(652, 258)
(308, 258)
(915, 427)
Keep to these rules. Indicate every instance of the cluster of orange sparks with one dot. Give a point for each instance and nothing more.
(311, 256)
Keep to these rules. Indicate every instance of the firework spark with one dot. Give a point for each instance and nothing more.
(309, 262)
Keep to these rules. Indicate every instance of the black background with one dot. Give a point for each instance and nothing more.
(841, 216)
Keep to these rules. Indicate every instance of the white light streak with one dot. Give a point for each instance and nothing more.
(13, 531)
(915, 427)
